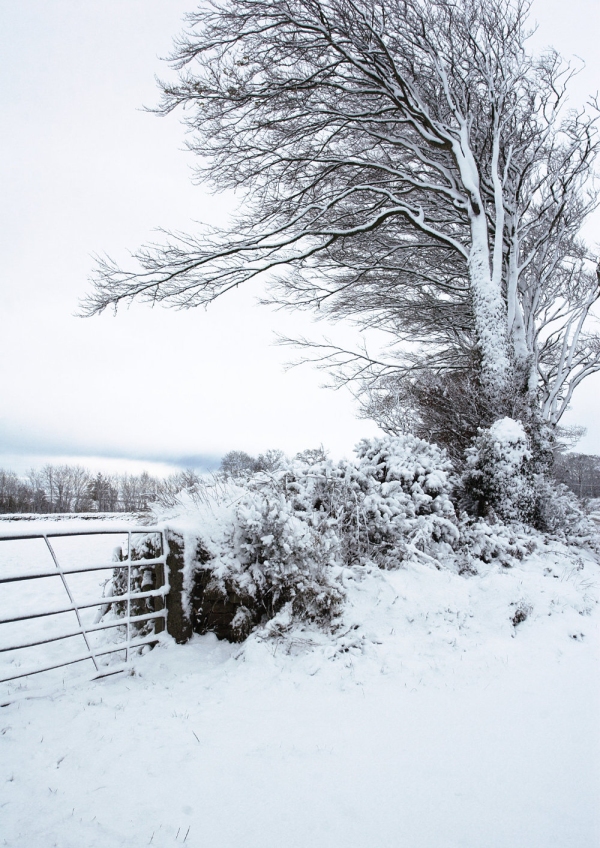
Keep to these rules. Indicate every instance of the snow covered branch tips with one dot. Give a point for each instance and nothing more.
(404, 163)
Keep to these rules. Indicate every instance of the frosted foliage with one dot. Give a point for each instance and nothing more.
(482, 543)
(294, 531)
(499, 475)
(280, 548)
(407, 507)
(510, 434)
(565, 516)
(273, 559)
(390, 503)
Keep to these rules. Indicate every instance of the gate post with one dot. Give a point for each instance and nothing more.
(179, 625)
(159, 600)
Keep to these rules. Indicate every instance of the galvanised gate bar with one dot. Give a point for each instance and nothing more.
(155, 566)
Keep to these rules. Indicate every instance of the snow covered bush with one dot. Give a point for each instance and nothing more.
(407, 508)
(391, 502)
(328, 497)
(482, 543)
(499, 480)
(507, 479)
(560, 513)
(272, 550)
(141, 579)
(293, 530)
(272, 560)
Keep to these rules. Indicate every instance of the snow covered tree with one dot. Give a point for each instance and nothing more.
(59, 488)
(103, 493)
(15, 494)
(238, 464)
(403, 163)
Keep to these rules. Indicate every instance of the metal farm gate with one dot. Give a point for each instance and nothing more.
(149, 571)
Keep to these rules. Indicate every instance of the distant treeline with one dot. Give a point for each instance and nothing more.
(71, 488)
(580, 472)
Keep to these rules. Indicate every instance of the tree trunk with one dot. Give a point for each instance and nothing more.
(490, 317)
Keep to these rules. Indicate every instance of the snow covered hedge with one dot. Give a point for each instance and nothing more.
(286, 536)
(293, 530)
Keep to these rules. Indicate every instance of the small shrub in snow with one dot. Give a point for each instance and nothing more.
(507, 479)
(329, 497)
(560, 513)
(140, 580)
(522, 613)
(485, 543)
(499, 479)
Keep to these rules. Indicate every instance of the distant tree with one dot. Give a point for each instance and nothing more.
(65, 488)
(271, 460)
(129, 492)
(238, 463)
(45, 478)
(136, 492)
(104, 493)
(148, 489)
(39, 502)
(79, 483)
(312, 456)
(16, 495)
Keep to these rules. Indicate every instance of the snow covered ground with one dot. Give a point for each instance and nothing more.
(429, 720)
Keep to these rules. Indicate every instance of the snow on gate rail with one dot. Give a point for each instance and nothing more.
(158, 594)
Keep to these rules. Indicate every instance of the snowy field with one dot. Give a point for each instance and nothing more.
(428, 721)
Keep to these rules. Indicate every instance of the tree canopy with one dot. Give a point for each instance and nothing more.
(407, 164)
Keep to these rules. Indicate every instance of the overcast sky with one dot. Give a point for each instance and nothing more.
(83, 171)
